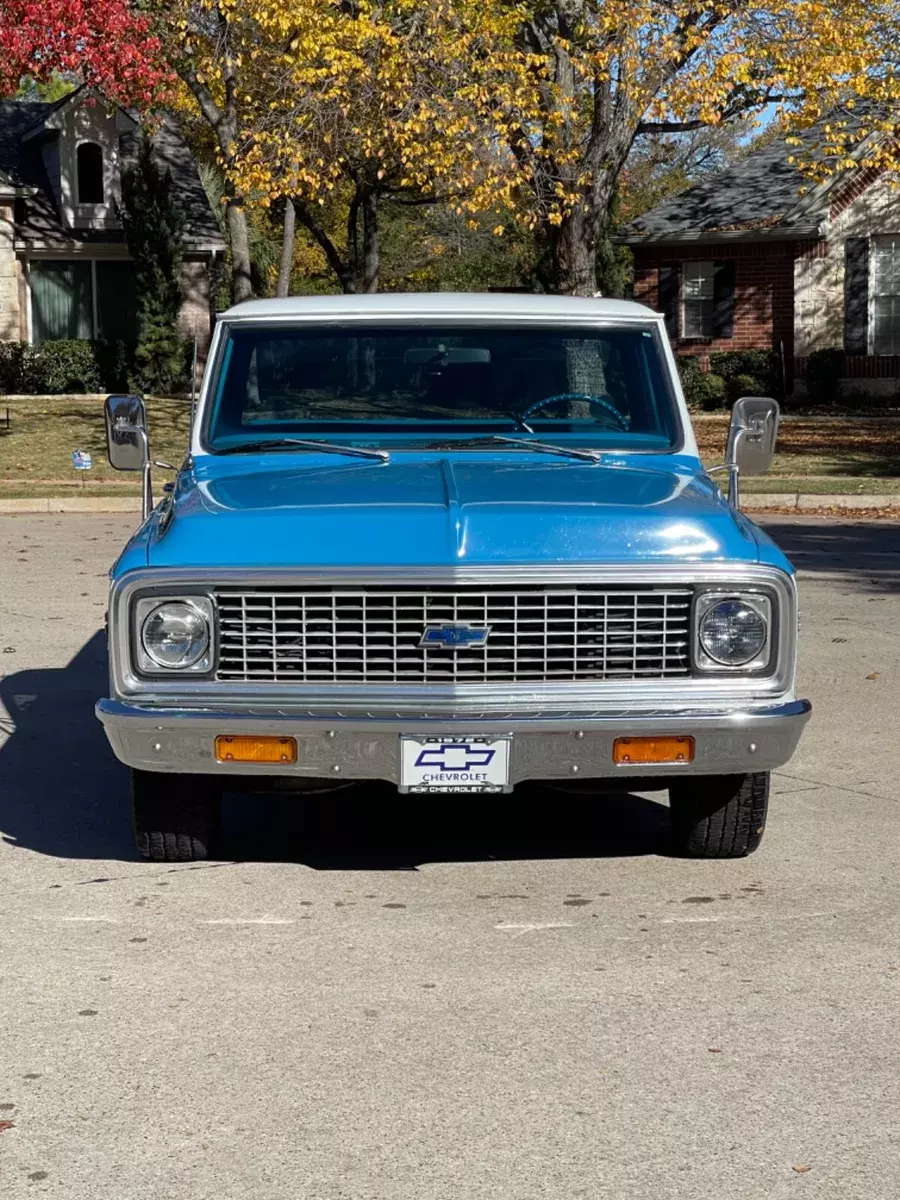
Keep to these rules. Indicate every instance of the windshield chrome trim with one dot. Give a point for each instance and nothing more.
(683, 440)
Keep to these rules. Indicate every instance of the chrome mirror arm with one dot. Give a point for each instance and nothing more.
(734, 481)
(147, 469)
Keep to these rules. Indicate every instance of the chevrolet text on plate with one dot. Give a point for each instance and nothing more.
(457, 543)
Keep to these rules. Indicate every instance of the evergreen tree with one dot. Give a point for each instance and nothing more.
(152, 233)
(614, 262)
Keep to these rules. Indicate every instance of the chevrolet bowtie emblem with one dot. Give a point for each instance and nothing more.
(456, 636)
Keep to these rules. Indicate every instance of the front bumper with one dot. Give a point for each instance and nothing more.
(355, 748)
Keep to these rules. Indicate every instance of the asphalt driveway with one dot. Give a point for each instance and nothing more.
(375, 998)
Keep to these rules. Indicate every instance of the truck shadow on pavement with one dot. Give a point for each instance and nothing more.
(61, 791)
(373, 828)
(864, 553)
(63, 794)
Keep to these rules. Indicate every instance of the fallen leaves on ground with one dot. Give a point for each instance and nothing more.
(847, 515)
(818, 436)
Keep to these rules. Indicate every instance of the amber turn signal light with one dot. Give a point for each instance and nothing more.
(256, 749)
(629, 752)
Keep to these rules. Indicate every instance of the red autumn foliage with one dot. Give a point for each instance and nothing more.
(105, 42)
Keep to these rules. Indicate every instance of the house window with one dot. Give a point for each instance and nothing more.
(698, 300)
(885, 295)
(83, 299)
(89, 163)
(62, 300)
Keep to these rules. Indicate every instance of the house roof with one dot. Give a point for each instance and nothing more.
(761, 195)
(38, 219)
(16, 118)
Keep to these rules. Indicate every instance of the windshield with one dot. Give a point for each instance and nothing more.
(604, 387)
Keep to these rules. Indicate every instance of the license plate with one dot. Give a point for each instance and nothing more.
(454, 764)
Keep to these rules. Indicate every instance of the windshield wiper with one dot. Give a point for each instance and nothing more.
(593, 456)
(301, 444)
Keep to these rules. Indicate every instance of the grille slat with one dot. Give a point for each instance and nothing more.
(574, 634)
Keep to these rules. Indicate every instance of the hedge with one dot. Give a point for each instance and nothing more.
(704, 390)
(64, 367)
(749, 372)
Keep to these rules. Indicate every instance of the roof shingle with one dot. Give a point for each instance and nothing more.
(37, 215)
(762, 192)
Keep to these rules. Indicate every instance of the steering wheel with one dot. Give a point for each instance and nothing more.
(594, 401)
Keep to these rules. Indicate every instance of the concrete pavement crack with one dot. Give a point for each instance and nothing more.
(834, 786)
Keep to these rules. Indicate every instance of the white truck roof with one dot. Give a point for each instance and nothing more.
(455, 305)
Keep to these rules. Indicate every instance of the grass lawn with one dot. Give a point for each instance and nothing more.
(819, 485)
(815, 454)
(819, 446)
(37, 448)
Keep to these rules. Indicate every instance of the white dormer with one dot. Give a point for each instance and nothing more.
(83, 161)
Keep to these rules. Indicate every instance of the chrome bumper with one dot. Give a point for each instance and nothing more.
(727, 743)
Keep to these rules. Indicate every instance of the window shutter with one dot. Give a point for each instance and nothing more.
(856, 296)
(669, 288)
(723, 300)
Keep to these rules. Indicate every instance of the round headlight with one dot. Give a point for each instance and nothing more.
(733, 632)
(175, 635)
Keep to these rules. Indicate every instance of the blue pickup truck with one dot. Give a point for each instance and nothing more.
(454, 542)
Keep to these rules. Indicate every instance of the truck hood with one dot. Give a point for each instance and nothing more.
(443, 511)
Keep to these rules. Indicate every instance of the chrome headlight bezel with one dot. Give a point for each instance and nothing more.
(145, 664)
(762, 602)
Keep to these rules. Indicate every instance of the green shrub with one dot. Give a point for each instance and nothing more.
(763, 366)
(55, 368)
(709, 392)
(116, 363)
(12, 359)
(744, 385)
(51, 368)
(689, 369)
(702, 390)
(824, 371)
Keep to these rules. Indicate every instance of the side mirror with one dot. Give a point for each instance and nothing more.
(127, 444)
(753, 433)
(126, 433)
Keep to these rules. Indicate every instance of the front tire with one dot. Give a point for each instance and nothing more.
(719, 816)
(176, 817)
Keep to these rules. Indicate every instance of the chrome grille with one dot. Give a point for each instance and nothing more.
(538, 634)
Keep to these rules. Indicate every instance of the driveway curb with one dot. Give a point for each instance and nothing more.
(70, 504)
(758, 502)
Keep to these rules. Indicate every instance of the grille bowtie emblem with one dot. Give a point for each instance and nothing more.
(456, 636)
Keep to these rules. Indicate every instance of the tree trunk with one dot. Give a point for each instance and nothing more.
(222, 120)
(353, 237)
(371, 262)
(241, 280)
(338, 264)
(286, 266)
(576, 250)
(575, 243)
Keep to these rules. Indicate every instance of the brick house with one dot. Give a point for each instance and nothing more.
(757, 258)
(64, 269)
